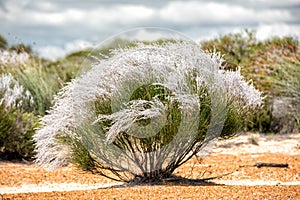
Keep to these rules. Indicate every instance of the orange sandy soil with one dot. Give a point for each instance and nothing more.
(245, 181)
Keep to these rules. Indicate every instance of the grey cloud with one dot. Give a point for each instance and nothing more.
(57, 22)
(3, 6)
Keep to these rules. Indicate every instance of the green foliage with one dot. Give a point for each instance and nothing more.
(16, 131)
(80, 155)
(262, 120)
(168, 131)
(232, 124)
(236, 48)
(44, 81)
(273, 66)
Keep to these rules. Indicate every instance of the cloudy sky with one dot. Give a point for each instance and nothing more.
(56, 27)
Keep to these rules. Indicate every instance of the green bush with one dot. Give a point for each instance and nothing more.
(267, 64)
(16, 131)
(17, 126)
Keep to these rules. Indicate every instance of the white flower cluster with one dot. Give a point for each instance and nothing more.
(12, 57)
(12, 94)
(181, 66)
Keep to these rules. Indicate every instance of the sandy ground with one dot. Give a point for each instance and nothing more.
(236, 157)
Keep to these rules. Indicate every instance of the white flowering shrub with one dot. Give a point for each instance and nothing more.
(16, 124)
(144, 111)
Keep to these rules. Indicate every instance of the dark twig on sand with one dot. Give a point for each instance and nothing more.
(262, 164)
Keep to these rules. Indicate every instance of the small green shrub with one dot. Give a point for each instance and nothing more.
(17, 126)
(16, 131)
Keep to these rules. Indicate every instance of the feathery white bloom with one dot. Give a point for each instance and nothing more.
(125, 119)
(12, 94)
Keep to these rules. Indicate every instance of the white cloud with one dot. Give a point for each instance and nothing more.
(77, 45)
(265, 31)
(275, 3)
(43, 14)
(200, 34)
(151, 34)
(133, 13)
(195, 12)
(53, 52)
(177, 12)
